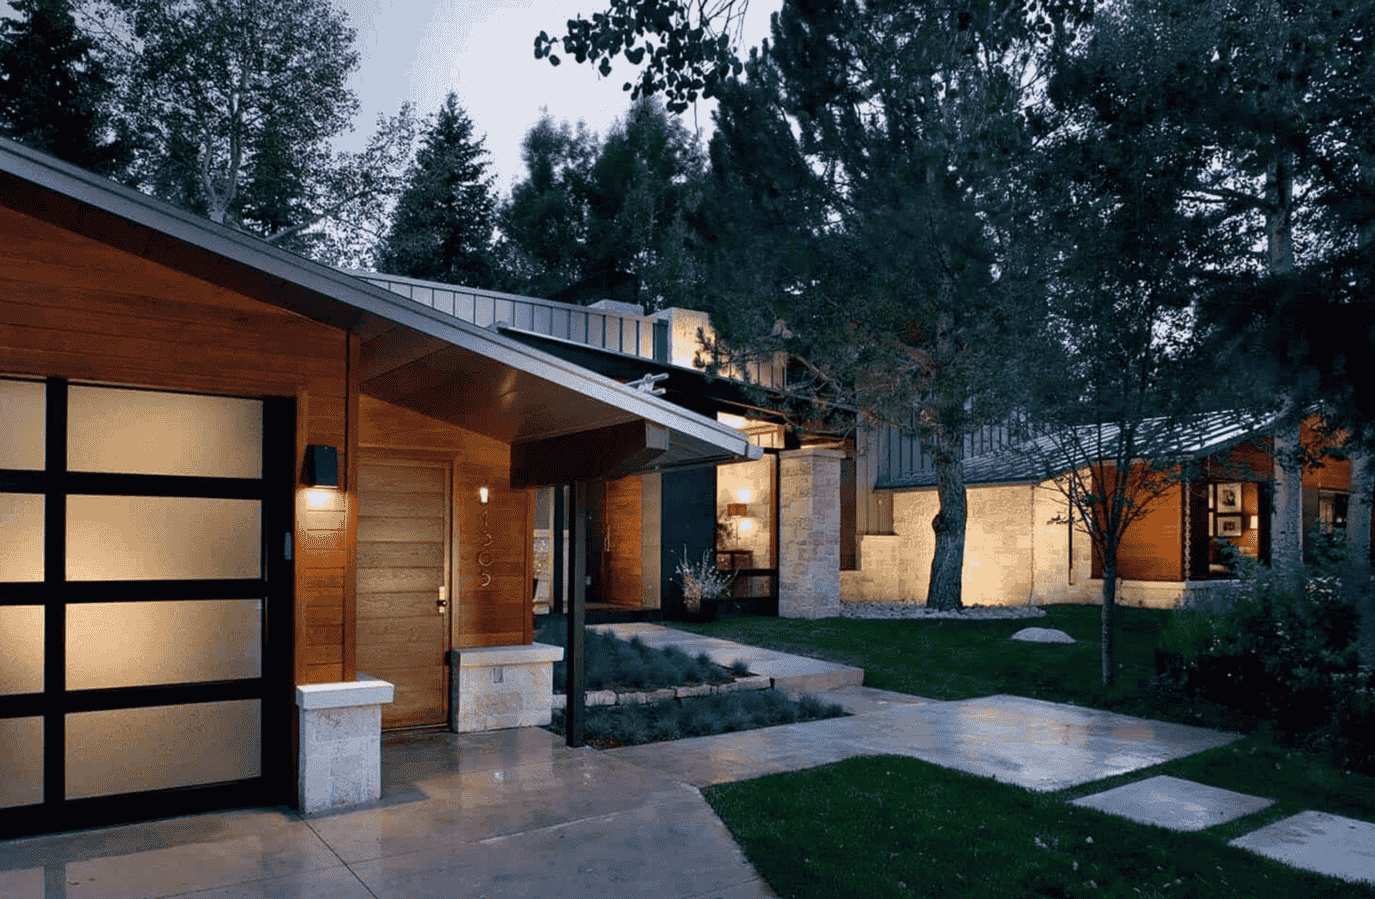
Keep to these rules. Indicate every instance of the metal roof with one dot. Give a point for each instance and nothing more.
(1190, 437)
(412, 355)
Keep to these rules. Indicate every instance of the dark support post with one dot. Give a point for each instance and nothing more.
(575, 711)
(556, 530)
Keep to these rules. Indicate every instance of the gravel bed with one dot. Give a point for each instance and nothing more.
(908, 610)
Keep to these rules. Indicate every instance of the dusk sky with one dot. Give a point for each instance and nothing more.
(483, 50)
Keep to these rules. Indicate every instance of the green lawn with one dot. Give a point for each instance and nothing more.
(946, 659)
(901, 827)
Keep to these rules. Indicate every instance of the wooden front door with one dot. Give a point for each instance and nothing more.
(404, 528)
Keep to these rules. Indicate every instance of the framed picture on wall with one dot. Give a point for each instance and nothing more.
(1229, 525)
(1228, 498)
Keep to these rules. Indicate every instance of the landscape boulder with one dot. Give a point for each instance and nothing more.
(1042, 635)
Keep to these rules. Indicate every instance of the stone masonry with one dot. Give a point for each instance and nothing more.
(809, 533)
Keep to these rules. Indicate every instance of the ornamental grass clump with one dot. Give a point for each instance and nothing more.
(608, 727)
(702, 581)
(610, 663)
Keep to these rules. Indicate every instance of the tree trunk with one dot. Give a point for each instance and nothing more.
(1286, 531)
(1356, 577)
(947, 564)
(1106, 653)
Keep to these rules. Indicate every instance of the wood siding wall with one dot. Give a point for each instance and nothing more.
(73, 307)
(621, 563)
(502, 613)
(1152, 548)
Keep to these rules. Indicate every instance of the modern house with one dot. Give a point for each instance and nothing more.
(1021, 546)
(253, 510)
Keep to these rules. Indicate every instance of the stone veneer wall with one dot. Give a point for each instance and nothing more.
(809, 533)
(1016, 552)
(340, 763)
(495, 687)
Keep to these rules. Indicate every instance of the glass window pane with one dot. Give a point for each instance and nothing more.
(111, 538)
(167, 746)
(21, 535)
(135, 644)
(21, 764)
(21, 650)
(23, 419)
(146, 432)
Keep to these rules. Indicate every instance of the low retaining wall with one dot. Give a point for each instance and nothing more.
(611, 697)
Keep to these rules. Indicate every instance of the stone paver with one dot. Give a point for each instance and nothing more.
(1316, 841)
(1039, 745)
(1174, 803)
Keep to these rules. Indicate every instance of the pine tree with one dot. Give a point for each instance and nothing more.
(442, 227)
(53, 90)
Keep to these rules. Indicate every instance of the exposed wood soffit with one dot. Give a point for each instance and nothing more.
(394, 349)
(605, 453)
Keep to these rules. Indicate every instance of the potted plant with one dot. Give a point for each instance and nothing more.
(704, 584)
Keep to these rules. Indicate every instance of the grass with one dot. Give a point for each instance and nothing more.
(901, 827)
(950, 659)
(610, 663)
(610, 727)
(897, 827)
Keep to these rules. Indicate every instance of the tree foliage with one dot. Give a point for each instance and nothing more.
(442, 226)
(591, 208)
(54, 91)
(233, 105)
(877, 145)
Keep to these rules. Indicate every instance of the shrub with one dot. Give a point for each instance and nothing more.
(1284, 652)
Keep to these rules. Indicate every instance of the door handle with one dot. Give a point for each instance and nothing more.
(443, 602)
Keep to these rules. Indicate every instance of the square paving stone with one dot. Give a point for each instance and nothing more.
(1174, 803)
(1316, 841)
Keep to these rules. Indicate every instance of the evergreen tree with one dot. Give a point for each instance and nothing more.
(544, 224)
(54, 93)
(442, 227)
(890, 270)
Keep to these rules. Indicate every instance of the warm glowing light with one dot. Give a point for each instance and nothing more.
(482, 495)
(744, 494)
(746, 525)
(319, 499)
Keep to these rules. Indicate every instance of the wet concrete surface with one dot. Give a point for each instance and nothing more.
(517, 813)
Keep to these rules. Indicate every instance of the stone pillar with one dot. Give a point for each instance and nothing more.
(495, 687)
(809, 533)
(340, 761)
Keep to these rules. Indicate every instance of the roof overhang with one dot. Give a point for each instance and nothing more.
(411, 355)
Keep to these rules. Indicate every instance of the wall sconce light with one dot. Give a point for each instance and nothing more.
(746, 525)
(482, 494)
(744, 494)
(322, 467)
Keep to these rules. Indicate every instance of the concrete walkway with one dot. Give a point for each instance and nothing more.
(516, 813)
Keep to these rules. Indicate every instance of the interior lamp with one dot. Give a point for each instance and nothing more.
(482, 494)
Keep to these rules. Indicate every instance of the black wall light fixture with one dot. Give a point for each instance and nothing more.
(322, 467)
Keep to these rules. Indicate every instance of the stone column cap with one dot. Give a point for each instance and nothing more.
(824, 452)
(522, 654)
(366, 690)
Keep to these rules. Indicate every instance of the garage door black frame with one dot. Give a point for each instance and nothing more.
(274, 688)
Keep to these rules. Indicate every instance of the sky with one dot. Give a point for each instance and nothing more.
(483, 50)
